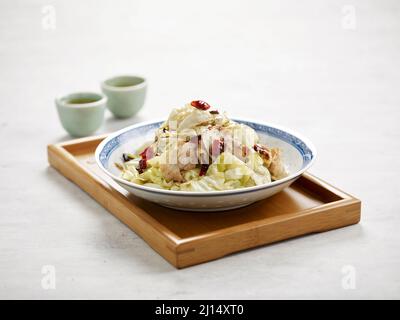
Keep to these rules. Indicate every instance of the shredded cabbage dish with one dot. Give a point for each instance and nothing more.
(200, 149)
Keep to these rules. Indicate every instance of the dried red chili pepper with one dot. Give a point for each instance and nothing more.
(201, 105)
(142, 165)
(147, 153)
(203, 169)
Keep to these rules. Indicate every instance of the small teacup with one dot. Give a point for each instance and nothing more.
(81, 113)
(126, 95)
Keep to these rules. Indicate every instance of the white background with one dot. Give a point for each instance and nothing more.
(296, 63)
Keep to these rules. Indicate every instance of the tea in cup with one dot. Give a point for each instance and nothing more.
(126, 94)
(81, 113)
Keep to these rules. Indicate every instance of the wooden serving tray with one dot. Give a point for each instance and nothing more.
(187, 238)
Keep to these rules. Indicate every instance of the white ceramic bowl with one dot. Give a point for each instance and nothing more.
(298, 155)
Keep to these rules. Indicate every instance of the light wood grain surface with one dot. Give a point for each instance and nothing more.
(294, 63)
(184, 239)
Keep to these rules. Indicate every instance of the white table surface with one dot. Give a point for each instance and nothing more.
(295, 63)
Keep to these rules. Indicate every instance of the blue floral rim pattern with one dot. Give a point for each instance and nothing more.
(296, 142)
(299, 144)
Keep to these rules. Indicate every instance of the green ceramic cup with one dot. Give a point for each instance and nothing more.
(126, 94)
(81, 113)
